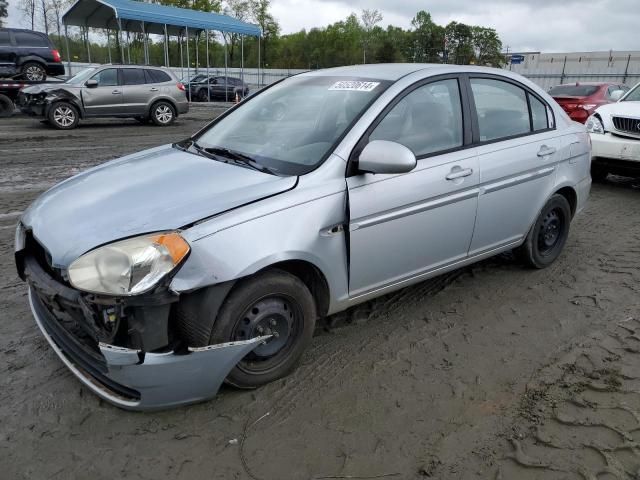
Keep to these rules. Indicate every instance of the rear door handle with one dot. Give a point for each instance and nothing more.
(115, 92)
(457, 172)
(546, 151)
(154, 89)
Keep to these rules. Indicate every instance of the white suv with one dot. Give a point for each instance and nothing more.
(615, 135)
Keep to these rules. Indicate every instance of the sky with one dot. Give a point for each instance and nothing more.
(523, 25)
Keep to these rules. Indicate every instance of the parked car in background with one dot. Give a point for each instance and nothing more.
(157, 276)
(221, 88)
(615, 136)
(29, 55)
(581, 99)
(144, 93)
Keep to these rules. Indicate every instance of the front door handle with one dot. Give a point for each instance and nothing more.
(457, 172)
(115, 92)
(546, 151)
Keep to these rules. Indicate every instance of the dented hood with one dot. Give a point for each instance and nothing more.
(159, 189)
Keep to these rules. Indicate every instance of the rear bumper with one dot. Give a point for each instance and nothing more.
(183, 107)
(135, 380)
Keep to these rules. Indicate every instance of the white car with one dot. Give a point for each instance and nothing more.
(615, 136)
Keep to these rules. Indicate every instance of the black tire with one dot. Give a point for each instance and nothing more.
(34, 72)
(202, 95)
(268, 302)
(63, 116)
(162, 113)
(6, 106)
(598, 173)
(549, 233)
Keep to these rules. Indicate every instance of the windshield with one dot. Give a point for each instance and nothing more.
(291, 127)
(81, 76)
(633, 95)
(573, 90)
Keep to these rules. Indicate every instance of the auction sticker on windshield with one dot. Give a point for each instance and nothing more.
(354, 86)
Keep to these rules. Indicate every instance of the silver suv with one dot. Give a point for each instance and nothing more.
(142, 92)
(157, 276)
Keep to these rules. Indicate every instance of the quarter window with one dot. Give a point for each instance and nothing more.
(156, 76)
(427, 120)
(25, 39)
(538, 114)
(502, 109)
(132, 76)
(107, 77)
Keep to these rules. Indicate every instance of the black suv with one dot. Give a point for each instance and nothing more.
(28, 54)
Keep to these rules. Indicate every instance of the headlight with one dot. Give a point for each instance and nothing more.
(128, 267)
(594, 125)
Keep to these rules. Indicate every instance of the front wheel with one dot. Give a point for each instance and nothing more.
(63, 116)
(548, 235)
(273, 303)
(163, 113)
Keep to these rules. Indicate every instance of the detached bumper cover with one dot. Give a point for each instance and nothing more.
(615, 147)
(135, 380)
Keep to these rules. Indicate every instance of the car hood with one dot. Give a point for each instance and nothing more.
(48, 87)
(158, 189)
(626, 109)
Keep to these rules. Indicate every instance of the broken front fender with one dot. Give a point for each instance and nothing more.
(134, 380)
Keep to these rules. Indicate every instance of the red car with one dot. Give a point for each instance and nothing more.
(580, 100)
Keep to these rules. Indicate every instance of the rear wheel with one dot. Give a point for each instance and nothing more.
(547, 237)
(273, 303)
(598, 173)
(34, 72)
(63, 116)
(163, 113)
(202, 95)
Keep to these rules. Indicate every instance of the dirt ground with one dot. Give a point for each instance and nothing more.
(494, 372)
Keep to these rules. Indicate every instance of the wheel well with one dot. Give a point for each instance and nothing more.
(167, 100)
(312, 277)
(571, 196)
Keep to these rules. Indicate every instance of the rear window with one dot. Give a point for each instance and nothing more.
(4, 39)
(573, 90)
(26, 39)
(156, 76)
(132, 76)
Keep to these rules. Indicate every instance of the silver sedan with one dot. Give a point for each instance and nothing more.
(159, 275)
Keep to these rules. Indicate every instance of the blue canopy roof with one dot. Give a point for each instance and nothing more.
(134, 15)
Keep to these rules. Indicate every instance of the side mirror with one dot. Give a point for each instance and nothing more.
(91, 83)
(382, 156)
(617, 95)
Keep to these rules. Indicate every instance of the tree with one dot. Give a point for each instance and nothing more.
(44, 12)
(370, 18)
(428, 39)
(28, 10)
(4, 12)
(269, 26)
(487, 47)
(239, 9)
(459, 43)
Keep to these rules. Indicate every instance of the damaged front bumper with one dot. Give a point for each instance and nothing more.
(135, 380)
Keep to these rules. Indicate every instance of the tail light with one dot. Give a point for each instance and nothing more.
(180, 86)
(56, 56)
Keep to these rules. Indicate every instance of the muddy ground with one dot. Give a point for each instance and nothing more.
(494, 372)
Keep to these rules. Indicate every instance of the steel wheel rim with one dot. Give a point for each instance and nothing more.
(34, 73)
(64, 116)
(551, 231)
(277, 315)
(164, 114)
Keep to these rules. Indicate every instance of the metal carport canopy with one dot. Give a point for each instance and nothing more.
(151, 18)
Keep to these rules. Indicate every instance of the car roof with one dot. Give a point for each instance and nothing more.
(395, 71)
(22, 30)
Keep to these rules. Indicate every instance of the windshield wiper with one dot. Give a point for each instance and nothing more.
(237, 157)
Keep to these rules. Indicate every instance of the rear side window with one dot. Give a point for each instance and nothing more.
(107, 77)
(132, 76)
(4, 39)
(156, 76)
(502, 109)
(539, 118)
(426, 120)
(26, 39)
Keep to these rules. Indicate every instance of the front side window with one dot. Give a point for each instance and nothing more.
(427, 120)
(501, 107)
(292, 126)
(106, 78)
(132, 76)
(5, 40)
(633, 95)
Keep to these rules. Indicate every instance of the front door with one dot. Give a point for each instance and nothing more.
(518, 153)
(403, 226)
(106, 98)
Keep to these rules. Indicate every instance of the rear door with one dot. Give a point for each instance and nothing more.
(518, 152)
(7, 54)
(106, 98)
(136, 92)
